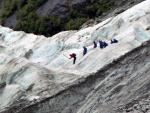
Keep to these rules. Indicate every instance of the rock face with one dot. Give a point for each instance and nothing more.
(61, 8)
(58, 7)
(36, 75)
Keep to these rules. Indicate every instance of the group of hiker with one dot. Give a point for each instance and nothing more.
(102, 44)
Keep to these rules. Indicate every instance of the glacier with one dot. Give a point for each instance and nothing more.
(34, 68)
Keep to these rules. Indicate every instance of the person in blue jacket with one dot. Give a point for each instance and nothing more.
(101, 44)
(84, 50)
(105, 44)
(114, 41)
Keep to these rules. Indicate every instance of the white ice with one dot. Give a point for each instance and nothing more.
(52, 54)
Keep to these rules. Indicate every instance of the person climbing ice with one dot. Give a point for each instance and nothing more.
(114, 41)
(105, 44)
(95, 44)
(101, 44)
(73, 55)
(84, 50)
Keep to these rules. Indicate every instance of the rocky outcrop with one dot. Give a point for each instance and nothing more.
(11, 21)
(58, 7)
(62, 8)
(36, 75)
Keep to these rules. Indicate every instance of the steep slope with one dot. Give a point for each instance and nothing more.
(36, 75)
(121, 87)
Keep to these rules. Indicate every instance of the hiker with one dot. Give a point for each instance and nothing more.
(101, 44)
(114, 41)
(105, 44)
(84, 50)
(73, 55)
(95, 44)
(28, 53)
